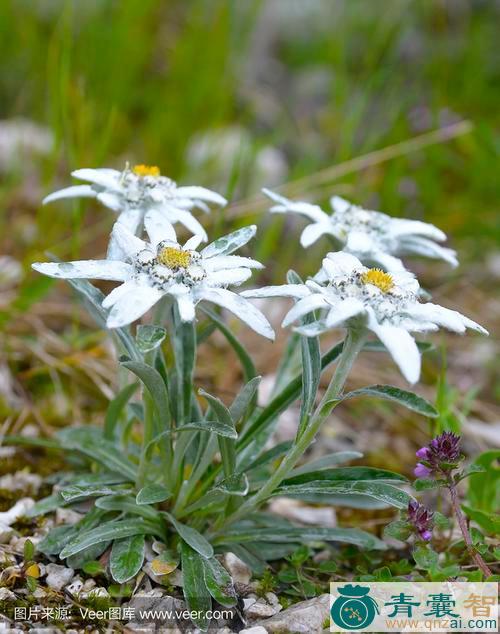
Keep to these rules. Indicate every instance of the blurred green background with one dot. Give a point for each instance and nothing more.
(238, 95)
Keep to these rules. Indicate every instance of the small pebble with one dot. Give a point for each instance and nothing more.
(58, 577)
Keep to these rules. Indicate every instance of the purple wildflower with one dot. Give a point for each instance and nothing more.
(421, 471)
(443, 450)
(421, 518)
(422, 453)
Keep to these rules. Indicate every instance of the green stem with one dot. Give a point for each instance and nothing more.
(147, 436)
(353, 343)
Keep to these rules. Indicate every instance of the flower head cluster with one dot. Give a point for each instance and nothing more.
(421, 519)
(374, 237)
(140, 189)
(161, 267)
(440, 456)
(355, 296)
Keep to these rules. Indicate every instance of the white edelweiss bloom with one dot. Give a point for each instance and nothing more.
(355, 296)
(162, 267)
(373, 237)
(138, 190)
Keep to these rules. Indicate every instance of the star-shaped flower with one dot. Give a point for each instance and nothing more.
(162, 267)
(355, 296)
(138, 190)
(373, 237)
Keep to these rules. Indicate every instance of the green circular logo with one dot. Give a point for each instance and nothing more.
(354, 609)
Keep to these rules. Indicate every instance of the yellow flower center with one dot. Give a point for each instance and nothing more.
(174, 258)
(378, 278)
(146, 170)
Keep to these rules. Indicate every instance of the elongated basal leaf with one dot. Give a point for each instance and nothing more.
(296, 534)
(192, 537)
(127, 556)
(410, 400)
(346, 474)
(219, 583)
(154, 383)
(152, 494)
(194, 587)
(379, 490)
(89, 440)
(116, 407)
(214, 426)
(109, 531)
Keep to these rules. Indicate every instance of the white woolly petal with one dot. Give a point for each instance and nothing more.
(339, 204)
(241, 307)
(177, 290)
(424, 246)
(131, 218)
(314, 212)
(133, 305)
(340, 264)
(285, 290)
(158, 227)
(86, 269)
(193, 243)
(402, 227)
(313, 232)
(387, 262)
(219, 262)
(199, 204)
(406, 281)
(359, 242)
(111, 200)
(185, 305)
(229, 276)
(174, 214)
(413, 325)
(194, 192)
(343, 311)
(303, 307)
(118, 292)
(401, 346)
(450, 319)
(123, 242)
(76, 191)
(105, 177)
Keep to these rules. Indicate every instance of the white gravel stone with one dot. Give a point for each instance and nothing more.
(75, 586)
(59, 577)
(238, 569)
(17, 543)
(6, 533)
(7, 595)
(261, 609)
(258, 629)
(18, 510)
(306, 616)
(67, 516)
(21, 481)
(95, 592)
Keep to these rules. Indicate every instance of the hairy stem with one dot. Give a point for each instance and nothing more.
(462, 522)
(353, 343)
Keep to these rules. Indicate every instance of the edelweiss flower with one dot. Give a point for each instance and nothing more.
(161, 267)
(358, 297)
(135, 191)
(373, 237)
